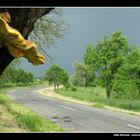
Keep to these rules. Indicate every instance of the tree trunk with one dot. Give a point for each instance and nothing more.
(139, 90)
(108, 93)
(23, 20)
(54, 87)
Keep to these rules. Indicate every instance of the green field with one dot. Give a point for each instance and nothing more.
(98, 97)
(16, 118)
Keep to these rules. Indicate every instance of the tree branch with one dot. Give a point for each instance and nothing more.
(22, 19)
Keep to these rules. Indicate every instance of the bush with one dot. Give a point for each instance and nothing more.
(126, 84)
(67, 85)
(127, 91)
(73, 88)
(91, 84)
(77, 80)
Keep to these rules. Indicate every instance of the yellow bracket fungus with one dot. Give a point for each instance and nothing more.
(16, 44)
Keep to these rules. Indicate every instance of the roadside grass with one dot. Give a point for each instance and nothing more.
(97, 96)
(8, 122)
(85, 94)
(34, 83)
(17, 118)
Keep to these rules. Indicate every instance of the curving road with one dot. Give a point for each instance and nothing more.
(76, 117)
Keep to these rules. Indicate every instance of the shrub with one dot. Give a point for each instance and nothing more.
(73, 88)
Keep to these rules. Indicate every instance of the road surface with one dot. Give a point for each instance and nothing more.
(76, 117)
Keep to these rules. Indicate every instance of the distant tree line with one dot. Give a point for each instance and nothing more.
(16, 75)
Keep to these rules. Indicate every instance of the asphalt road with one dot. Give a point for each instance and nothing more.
(76, 117)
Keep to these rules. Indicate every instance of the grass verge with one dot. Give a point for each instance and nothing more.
(96, 97)
(13, 85)
(16, 118)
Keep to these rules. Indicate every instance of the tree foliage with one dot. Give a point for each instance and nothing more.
(9, 72)
(108, 55)
(127, 80)
(48, 29)
(22, 76)
(83, 76)
(56, 75)
(14, 74)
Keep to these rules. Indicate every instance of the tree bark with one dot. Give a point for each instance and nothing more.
(54, 86)
(23, 20)
(108, 93)
(57, 86)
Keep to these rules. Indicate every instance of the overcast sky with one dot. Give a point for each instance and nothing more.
(88, 25)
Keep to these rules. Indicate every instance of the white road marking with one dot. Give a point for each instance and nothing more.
(132, 126)
(68, 108)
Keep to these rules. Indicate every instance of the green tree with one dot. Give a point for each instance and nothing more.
(6, 77)
(21, 76)
(106, 58)
(83, 76)
(14, 74)
(126, 83)
(90, 56)
(56, 75)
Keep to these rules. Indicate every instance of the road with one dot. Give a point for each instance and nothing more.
(76, 117)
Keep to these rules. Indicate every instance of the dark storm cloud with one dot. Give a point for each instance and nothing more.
(88, 25)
